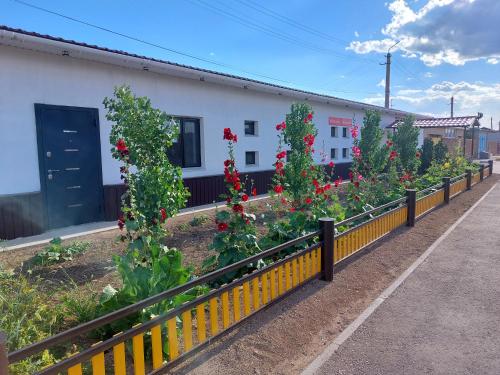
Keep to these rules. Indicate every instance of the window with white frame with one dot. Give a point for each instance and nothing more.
(345, 153)
(251, 158)
(250, 127)
(333, 153)
(334, 131)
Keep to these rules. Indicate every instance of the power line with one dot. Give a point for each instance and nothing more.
(266, 29)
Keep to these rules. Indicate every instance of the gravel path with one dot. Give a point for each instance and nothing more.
(286, 337)
(445, 317)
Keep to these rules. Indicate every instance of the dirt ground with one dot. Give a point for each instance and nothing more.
(94, 269)
(287, 336)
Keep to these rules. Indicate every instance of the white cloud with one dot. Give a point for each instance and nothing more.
(381, 83)
(440, 31)
(428, 75)
(356, 34)
(470, 98)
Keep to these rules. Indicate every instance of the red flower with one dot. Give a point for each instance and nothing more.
(356, 198)
(121, 146)
(278, 165)
(228, 199)
(308, 118)
(229, 136)
(338, 182)
(278, 189)
(121, 223)
(281, 155)
(238, 208)
(356, 151)
(354, 131)
(244, 197)
(356, 183)
(308, 200)
(228, 162)
(418, 154)
(350, 175)
(393, 155)
(303, 173)
(254, 192)
(315, 183)
(309, 140)
(163, 213)
(328, 187)
(292, 209)
(283, 201)
(388, 143)
(281, 126)
(237, 186)
(222, 227)
(331, 164)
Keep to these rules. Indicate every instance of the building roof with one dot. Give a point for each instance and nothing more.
(441, 122)
(69, 48)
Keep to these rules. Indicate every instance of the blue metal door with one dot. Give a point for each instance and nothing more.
(482, 143)
(70, 164)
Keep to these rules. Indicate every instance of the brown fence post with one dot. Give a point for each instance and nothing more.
(446, 186)
(411, 201)
(327, 226)
(469, 179)
(4, 362)
(481, 172)
(490, 165)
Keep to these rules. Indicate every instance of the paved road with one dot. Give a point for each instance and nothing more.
(445, 317)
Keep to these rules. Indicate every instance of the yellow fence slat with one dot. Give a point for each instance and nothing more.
(187, 330)
(225, 309)
(119, 359)
(265, 292)
(281, 290)
(246, 298)
(295, 273)
(255, 293)
(288, 279)
(301, 269)
(75, 370)
(318, 260)
(272, 281)
(173, 344)
(307, 260)
(236, 304)
(201, 327)
(138, 354)
(98, 367)
(156, 345)
(214, 323)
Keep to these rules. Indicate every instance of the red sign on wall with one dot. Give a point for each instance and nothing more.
(339, 121)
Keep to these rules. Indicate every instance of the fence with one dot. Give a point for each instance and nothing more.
(185, 329)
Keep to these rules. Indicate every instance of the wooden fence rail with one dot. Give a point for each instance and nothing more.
(181, 331)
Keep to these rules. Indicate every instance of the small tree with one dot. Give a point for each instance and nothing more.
(427, 155)
(440, 151)
(373, 155)
(405, 144)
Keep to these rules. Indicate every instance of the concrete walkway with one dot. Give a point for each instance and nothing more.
(444, 318)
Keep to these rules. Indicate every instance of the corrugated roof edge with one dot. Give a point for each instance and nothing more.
(245, 79)
(395, 124)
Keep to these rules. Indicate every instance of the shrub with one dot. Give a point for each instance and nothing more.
(373, 156)
(57, 253)
(440, 152)
(427, 155)
(26, 316)
(198, 220)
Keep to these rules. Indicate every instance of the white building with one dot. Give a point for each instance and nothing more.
(56, 168)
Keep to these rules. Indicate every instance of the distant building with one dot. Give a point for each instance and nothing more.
(451, 130)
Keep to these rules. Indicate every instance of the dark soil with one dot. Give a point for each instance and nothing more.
(287, 336)
(94, 269)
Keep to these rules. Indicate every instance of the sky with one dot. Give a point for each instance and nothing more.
(446, 47)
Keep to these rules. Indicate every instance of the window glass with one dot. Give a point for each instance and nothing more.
(250, 158)
(333, 153)
(334, 131)
(344, 153)
(186, 150)
(250, 128)
(344, 132)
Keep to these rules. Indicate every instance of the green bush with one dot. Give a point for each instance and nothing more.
(440, 152)
(57, 253)
(405, 141)
(26, 316)
(427, 155)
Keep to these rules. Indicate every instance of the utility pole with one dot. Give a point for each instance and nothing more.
(452, 102)
(388, 75)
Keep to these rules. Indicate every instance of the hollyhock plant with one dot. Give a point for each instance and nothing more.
(236, 233)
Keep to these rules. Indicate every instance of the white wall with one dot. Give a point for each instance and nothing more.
(28, 77)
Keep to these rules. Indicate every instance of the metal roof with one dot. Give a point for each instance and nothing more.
(56, 45)
(441, 122)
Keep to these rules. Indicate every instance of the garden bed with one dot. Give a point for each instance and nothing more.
(92, 270)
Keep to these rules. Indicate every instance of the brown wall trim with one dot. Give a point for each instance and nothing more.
(21, 215)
